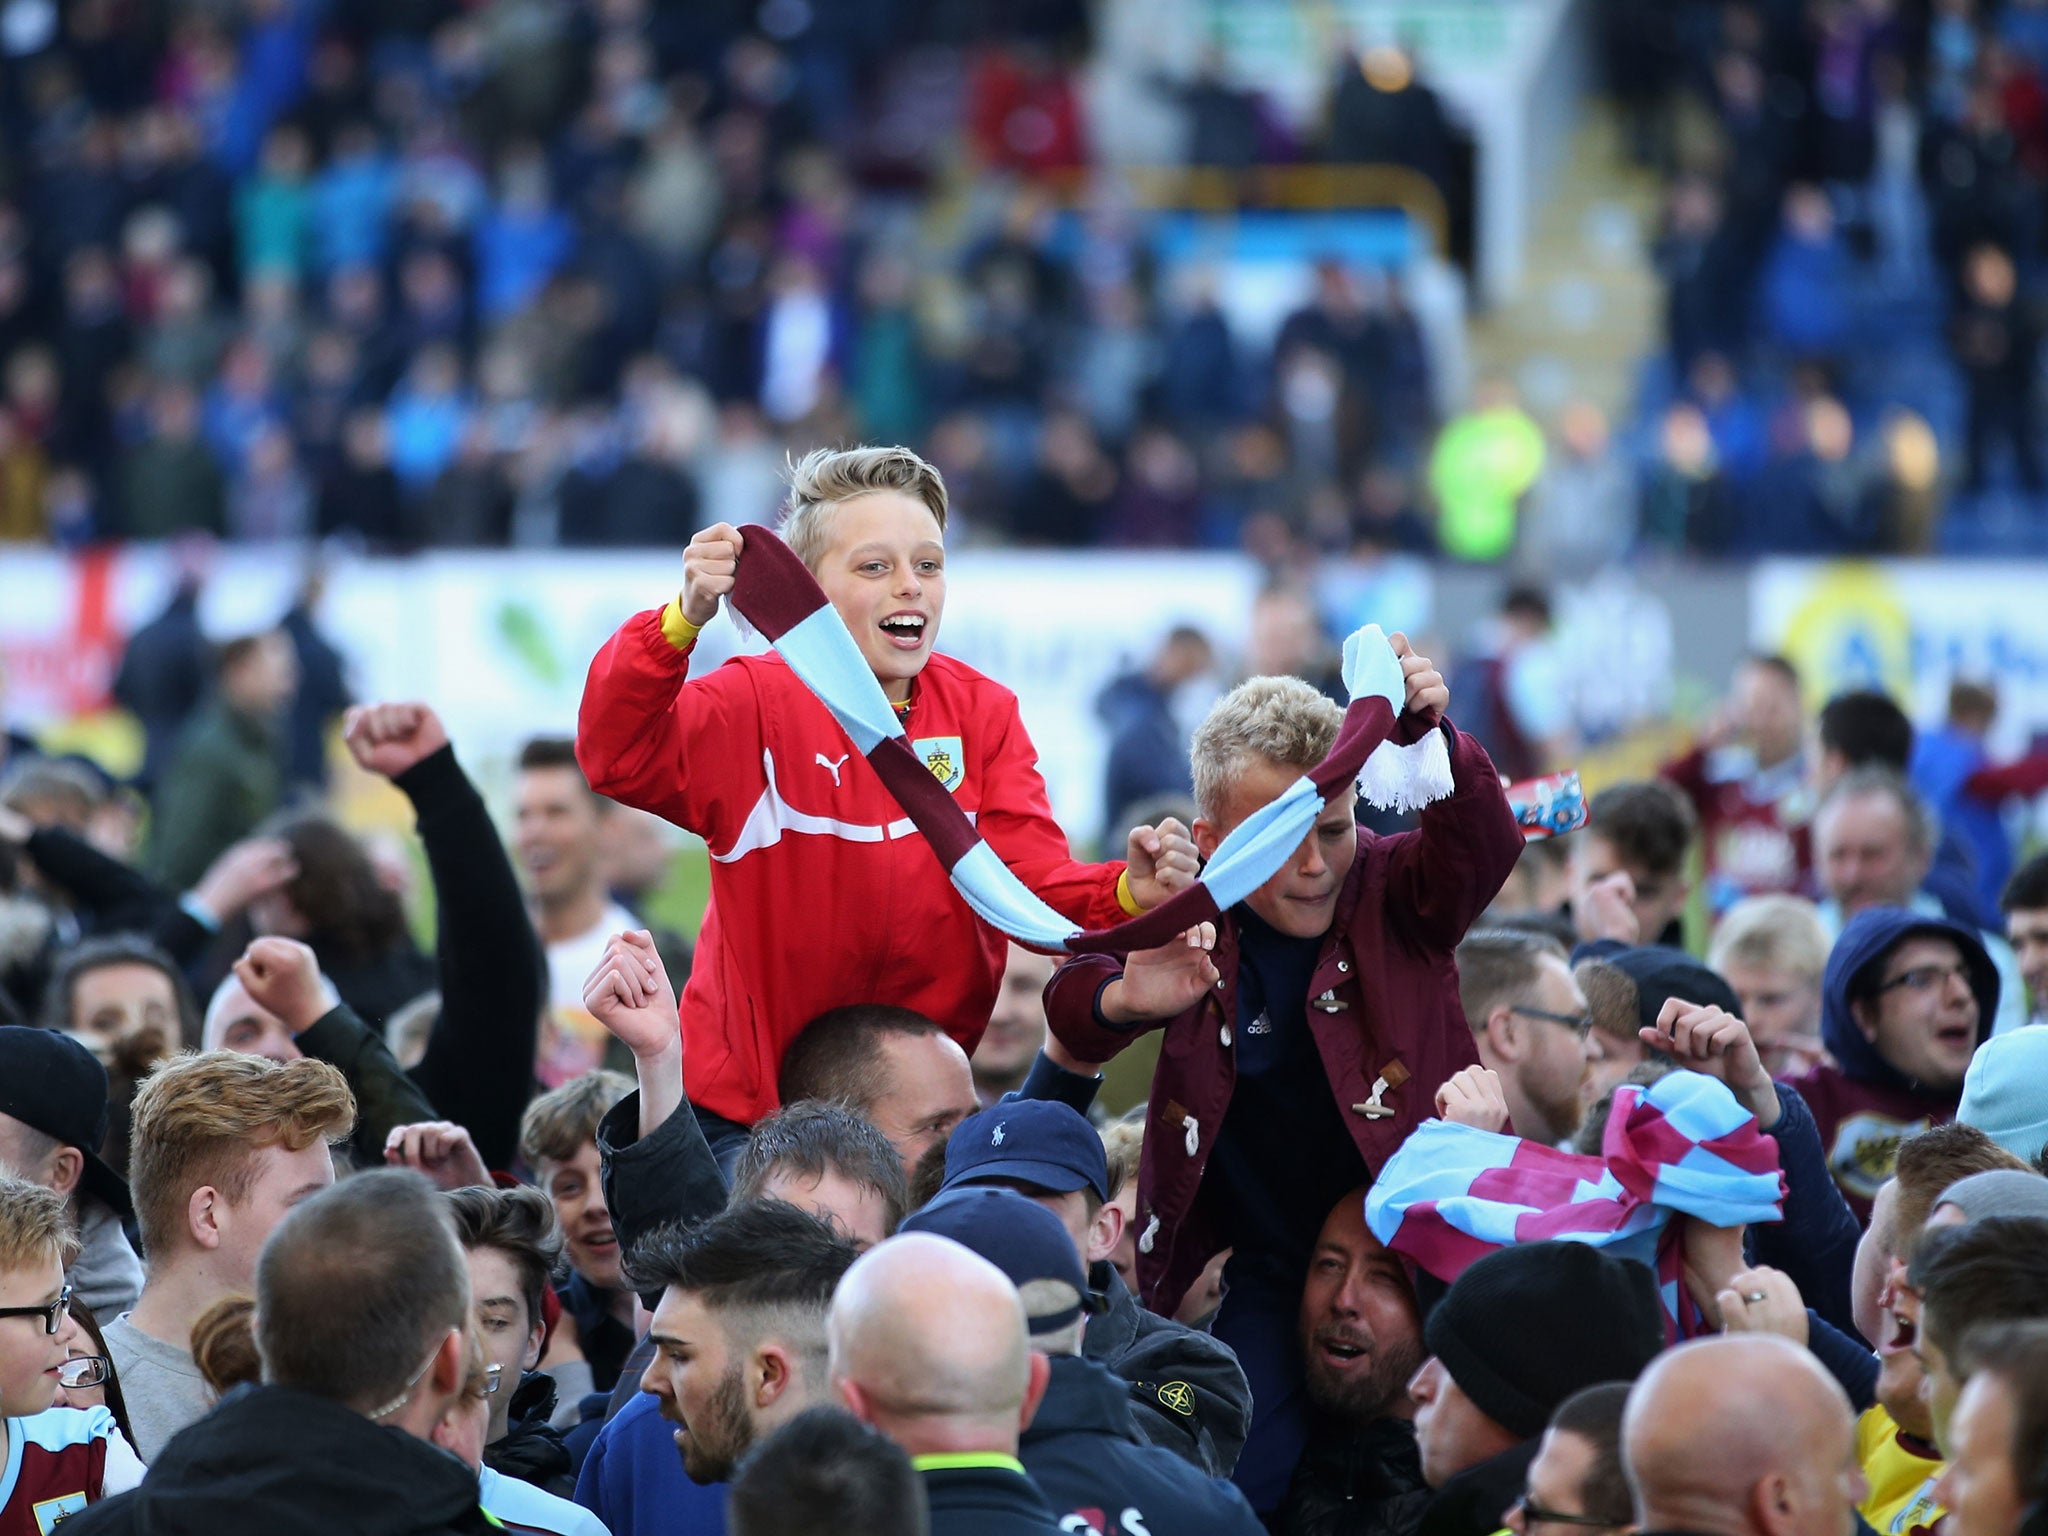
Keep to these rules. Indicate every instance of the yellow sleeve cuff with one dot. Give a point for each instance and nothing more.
(677, 630)
(1124, 898)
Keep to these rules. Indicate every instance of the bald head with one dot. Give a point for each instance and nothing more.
(1702, 1457)
(929, 1345)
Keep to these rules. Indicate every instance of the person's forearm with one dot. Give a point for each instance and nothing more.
(385, 1096)
(661, 1086)
(478, 1066)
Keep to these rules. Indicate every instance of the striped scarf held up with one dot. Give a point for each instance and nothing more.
(1399, 762)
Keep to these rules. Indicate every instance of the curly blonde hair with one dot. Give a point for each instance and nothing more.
(202, 1118)
(825, 477)
(1277, 720)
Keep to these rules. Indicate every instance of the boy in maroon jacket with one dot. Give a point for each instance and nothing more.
(1302, 1051)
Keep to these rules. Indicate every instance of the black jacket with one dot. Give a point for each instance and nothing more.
(985, 1501)
(532, 1449)
(271, 1461)
(1084, 1452)
(1474, 1502)
(1189, 1392)
(1356, 1482)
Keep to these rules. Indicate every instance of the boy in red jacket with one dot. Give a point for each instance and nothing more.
(822, 892)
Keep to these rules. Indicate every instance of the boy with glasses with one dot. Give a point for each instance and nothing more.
(53, 1461)
(1907, 1001)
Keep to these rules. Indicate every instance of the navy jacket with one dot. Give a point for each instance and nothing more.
(1084, 1452)
(988, 1500)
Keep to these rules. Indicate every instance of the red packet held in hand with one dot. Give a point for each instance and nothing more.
(1548, 807)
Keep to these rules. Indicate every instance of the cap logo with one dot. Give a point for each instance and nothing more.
(996, 1138)
(1178, 1396)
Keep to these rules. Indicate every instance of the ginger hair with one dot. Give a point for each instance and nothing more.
(202, 1118)
(824, 477)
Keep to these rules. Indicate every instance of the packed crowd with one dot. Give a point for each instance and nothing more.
(543, 275)
(1850, 246)
(442, 274)
(1680, 1173)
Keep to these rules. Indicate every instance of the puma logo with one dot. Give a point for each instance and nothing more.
(831, 767)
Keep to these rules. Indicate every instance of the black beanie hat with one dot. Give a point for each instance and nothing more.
(1525, 1327)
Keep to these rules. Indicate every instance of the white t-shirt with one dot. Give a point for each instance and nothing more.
(571, 1041)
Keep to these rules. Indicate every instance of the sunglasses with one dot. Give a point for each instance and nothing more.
(52, 1313)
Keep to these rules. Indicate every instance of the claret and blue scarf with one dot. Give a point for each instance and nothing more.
(1399, 761)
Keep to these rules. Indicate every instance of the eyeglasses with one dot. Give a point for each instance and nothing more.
(400, 1401)
(1535, 1514)
(52, 1313)
(1580, 1024)
(1925, 978)
(85, 1371)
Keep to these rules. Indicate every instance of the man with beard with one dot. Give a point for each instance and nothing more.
(1530, 1021)
(1361, 1341)
(740, 1332)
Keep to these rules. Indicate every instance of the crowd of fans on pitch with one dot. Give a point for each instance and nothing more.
(303, 1223)
(538, 274)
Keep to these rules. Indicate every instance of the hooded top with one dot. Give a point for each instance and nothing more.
(1863, 1105)
(272, 1460)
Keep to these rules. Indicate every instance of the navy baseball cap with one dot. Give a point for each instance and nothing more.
(1033, 1141)
(1017, 1235)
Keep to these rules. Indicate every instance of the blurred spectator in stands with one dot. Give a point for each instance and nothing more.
(1484, 462)
(1023, 113)
(1115, 359)
(1386, 519)
(227, 772)
(1804, 290)
(165, 668)
(522, 239)
(1687, 504)
(351, 201)
(170, 483)
(1160, 501)
(1695, 255)
(23, 475)
(886, 372)
(271, 498)
(1224, 120)
(1581, 515)
(1381, 113)
(1074, 488)
(243, 403)
(322, 693)
(1201, 373)
(94, 341)
(1996, 334)
(1148, 748)
(1512, 688)
(427, 414)
(1747, 779)
(359, 494)
(273, 210)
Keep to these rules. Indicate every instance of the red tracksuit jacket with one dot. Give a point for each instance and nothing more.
(822, 893)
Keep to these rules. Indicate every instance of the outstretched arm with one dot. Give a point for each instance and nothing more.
(646, 736)
(478, 1066)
